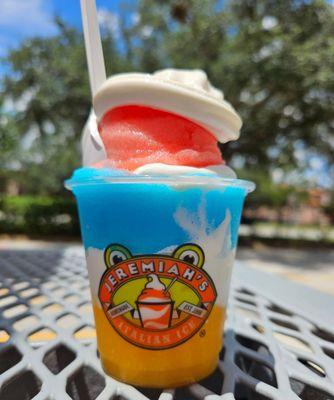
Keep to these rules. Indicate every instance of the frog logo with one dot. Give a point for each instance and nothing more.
(156, 301)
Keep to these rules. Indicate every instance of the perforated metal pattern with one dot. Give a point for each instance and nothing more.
(48, 350)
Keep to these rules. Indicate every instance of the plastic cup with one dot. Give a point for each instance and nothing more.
(159, 254)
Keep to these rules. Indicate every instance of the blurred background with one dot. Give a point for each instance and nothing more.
(274, 60)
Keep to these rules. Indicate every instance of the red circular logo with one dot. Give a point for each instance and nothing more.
(156, 301)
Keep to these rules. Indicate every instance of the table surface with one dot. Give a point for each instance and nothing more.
(279, 337)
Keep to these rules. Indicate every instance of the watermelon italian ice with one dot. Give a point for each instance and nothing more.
(172, 118)
(134, 136)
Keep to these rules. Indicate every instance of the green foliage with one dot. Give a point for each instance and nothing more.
(44, 104)
(273, 59)
(38, 215)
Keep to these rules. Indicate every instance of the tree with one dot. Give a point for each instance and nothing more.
(44, 104)
(273, 59)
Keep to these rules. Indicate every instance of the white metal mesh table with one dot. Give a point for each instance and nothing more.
(279, 337)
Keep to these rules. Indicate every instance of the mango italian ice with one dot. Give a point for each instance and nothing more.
(159, 213)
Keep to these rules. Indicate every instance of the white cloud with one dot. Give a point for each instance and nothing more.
(269, 22)
(147, 31)
(135, 18)
(268, 50)
(20, 105)
(26, 17)
(108, 20)
(277, 175)
(245, 96)
(316, 163)
(29, 138)
(288, 110)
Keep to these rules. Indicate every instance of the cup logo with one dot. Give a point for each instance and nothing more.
(156, 301)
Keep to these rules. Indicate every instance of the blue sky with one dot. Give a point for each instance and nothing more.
(20, 19)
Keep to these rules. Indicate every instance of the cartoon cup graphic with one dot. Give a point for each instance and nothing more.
(155, 305)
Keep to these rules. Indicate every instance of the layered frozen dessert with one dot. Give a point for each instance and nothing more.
(159, 212)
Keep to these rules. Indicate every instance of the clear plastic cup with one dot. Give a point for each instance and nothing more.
(159, 254)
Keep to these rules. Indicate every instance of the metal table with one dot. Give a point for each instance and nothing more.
(279, 337)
